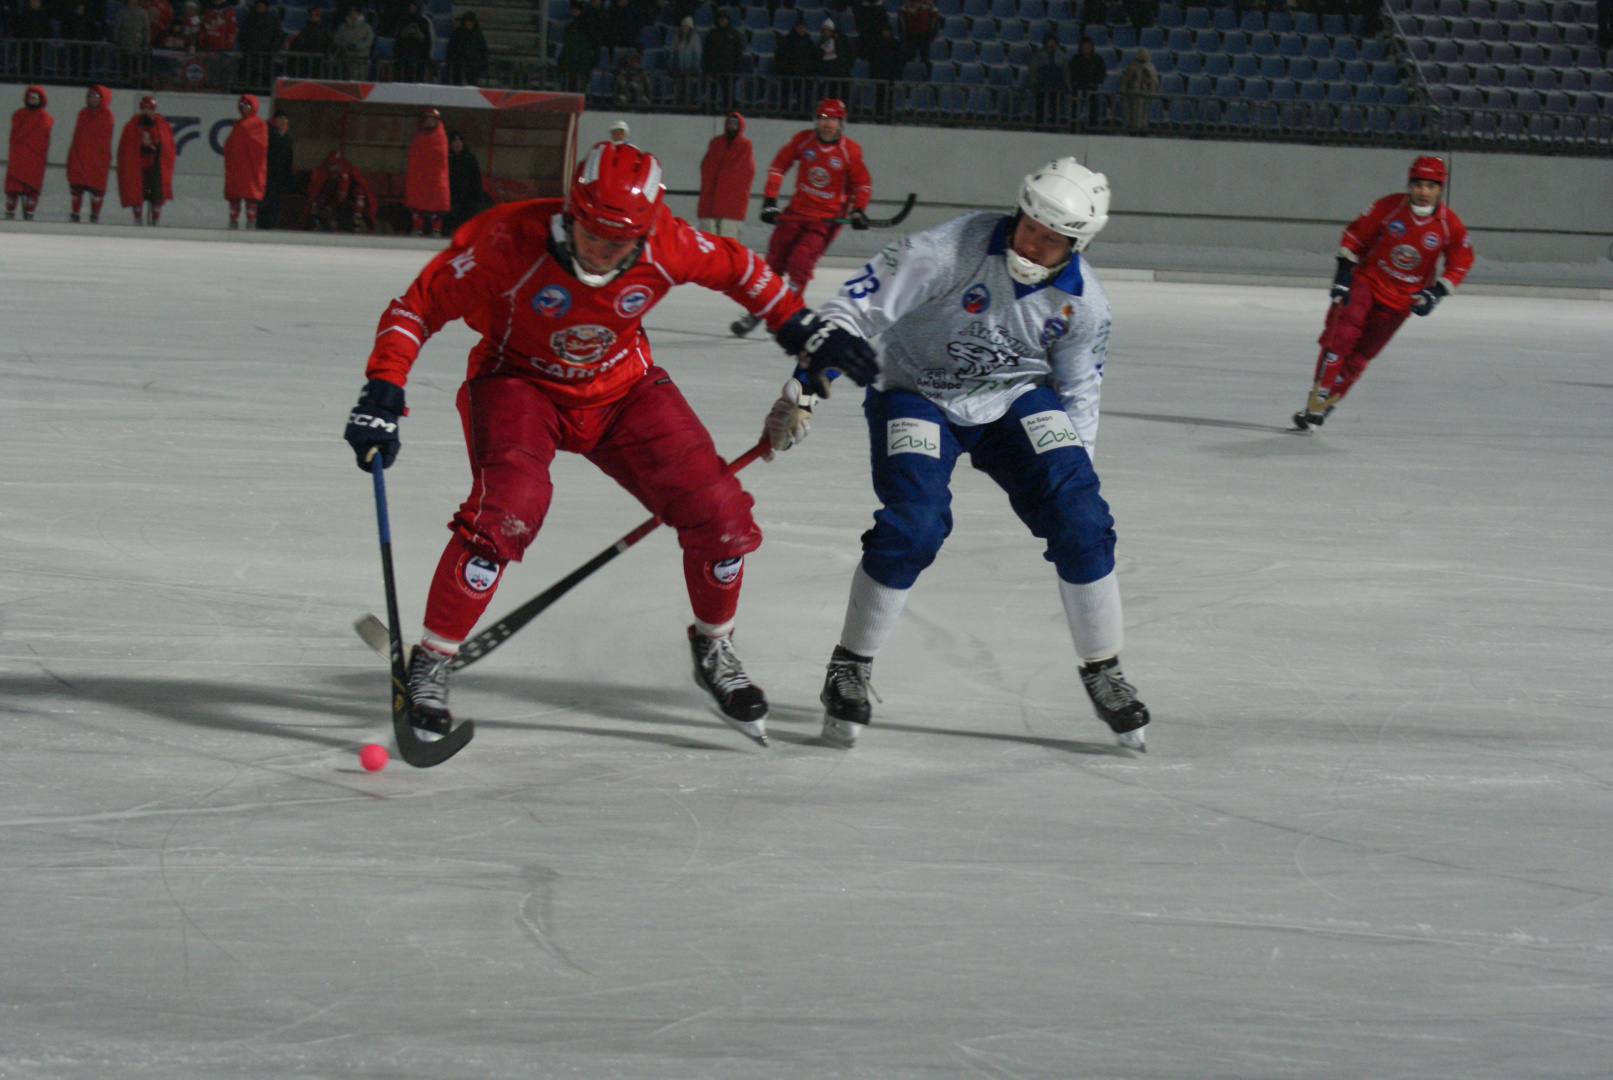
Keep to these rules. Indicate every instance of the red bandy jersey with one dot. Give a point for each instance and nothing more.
(831, 180)
(1398, 252)
(582, 344)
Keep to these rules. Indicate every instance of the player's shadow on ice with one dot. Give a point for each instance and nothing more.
(789, 714)
(1196, 421)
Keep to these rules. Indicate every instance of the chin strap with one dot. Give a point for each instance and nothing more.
(1026, 272)
(1424, 211)
(561, 237)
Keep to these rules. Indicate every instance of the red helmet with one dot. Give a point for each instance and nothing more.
(831, 107)
(616, 191)
(148, 102)
(1428, 168)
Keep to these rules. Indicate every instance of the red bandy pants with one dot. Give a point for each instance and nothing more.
(796, 247)
(1355, 332)
(650, 441)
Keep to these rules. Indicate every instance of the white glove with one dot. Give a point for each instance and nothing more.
(791, 417)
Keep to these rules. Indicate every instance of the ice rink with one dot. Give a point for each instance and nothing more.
(1371, 837)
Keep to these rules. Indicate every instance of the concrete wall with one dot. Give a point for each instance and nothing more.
(1274, 197)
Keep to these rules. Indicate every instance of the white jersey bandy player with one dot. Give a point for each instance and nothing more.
(993, 334)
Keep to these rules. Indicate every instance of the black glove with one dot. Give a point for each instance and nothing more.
(769, 211)
(1423, 301)
(1340, 293)
(826, 350)
(373, 423)
(858, 219)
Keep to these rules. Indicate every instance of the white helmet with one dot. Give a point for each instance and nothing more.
(1068, 198)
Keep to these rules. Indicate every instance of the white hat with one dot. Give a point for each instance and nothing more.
(828, 24)
(620, 125)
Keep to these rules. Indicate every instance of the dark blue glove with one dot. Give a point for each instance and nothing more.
(826, 350)
(858, 219)
(373, 423)
(1340, 292)
(769, 211)
(1423, 301)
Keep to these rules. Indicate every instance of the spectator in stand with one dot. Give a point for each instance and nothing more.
(726, 173)
(1139, 85)
(723, 55)
(624, 25)
(31, 27)
(921, 19)
(1371, 12)
(146, 162)
(162, 16)
(390, 15)
(466, 195)
(353, 40)
(1604, 29)
(89, 158)
(411, 46)
(185, 31)
(279, 181)
(131, 33)
(869, 17)
(1046, 81)
(797, 55)
(315, 39)
(246, 162)
(884, 54)
(1142, 13)
(260, 37)
(1087, 72)
(632, 81)
(218, 28)
(579, 51)
(425, 180)
(29, 147)
(467, 52)
(684, 50)
(81, 21)
(834, 52)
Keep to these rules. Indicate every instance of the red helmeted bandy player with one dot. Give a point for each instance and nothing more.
(1388, 267)
(830, 177)
(557, 289)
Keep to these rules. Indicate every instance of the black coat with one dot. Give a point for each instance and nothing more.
(1087, 72)
(260, 32)
(723, 52)
(797, 55)
(279, 177)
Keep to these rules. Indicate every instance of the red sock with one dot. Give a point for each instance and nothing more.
(713, 588)
(11, 204)
(95, 205)
(78, 202)
(235, 211)
(460, 590)
(251, 212)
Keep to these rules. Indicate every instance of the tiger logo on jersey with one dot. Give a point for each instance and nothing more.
(582, 344)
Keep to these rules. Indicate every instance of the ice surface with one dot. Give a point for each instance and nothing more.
(1370, 839)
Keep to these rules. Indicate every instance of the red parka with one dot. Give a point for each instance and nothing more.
(89, 159)
(131, 189)
(30, 144)
(425, 184)
(726, 173)
(246, 155)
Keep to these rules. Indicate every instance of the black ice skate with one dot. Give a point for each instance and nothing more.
(428, 693)
(845, 696)
(717, 670)
(1116, 702)
(1304, 420)
(73, 218)
(744, 324)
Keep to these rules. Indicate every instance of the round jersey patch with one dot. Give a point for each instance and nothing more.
(1430, 241)
(728, 570)
(818, 176)
(551, 300)
(582, 344)
(481, 574)
(632, 301)
(1053, 329)
(977, 299)
(1395, 228)
(1405, 257)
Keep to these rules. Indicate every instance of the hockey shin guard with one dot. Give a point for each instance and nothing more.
(235, 212)
(871, 614)
(713, 592)
(78, 202)
(95, 206)
(460, 591)
(1093, 611)
(251, 213)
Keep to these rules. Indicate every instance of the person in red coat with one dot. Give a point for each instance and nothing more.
(558, 290)
(218, 28)
(338, 193)
(726, 173)
(30, 145)
(89, 159)
(425, 182)
(246, 162)
(146, 162)
(1389, 267)
(831, 183)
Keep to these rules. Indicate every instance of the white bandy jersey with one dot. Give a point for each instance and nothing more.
(951, 324)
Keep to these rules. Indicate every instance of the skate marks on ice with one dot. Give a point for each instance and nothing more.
(1195, 421)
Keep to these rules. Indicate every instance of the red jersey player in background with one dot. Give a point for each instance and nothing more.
(1388, 267)
(89, 158)
(30, 145)
(830, 179)
(557, 289)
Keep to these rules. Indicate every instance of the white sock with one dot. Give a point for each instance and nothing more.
(440, 643)
(871, 614)
(705, 629)
(1094, 613)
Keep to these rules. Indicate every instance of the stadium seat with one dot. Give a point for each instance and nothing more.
(1170, 16)
(965, 52)
(956, 28)
(1069, 34)
(1318, 47)
(1284, 90)
(1180, 40)
(1198, 18)
(1486, 75)
(1344, 49)
(1329, 71)
(1235, 43)
(1152, 38)
(1385, 74)
(783, 19)
(1163, 62)
(1000, 75)
(991, 54)
(1190, 63)
(1305, 22)
(1335, 25)
(1301, 70)
(1223, 19)
(1030, 9)
(763, 43)
(1279, 22)
(1207, 41)
(1273, 67)
(1247, 67)
(1006, 9)
(757, 18)
(977, 9)
(943, 73)
(1312, 91)
(1263, 44)
(1099, 36)
(1340, 92)
(1574, 81)
(1019, 54)
(1012, 32)
(1253, 22)
(972, 74)
(1501, 53)
(1367, 94)
(983, 30)
(1217, 65)
(1357, 72)
(940, 51)
(913, 71)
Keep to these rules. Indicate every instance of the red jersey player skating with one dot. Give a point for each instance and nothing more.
(1388, 268)
(831, 182)
(557, 289)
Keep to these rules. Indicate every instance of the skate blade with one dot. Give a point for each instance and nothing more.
(1132, 740)
(754, 730)
(839, 733)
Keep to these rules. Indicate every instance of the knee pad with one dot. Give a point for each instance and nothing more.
(904, 541)
(727, 532)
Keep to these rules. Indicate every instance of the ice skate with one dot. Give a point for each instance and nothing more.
(73, 218)
(1115, 701)
(717, 670)
(846, 687)
(744, 324)
(428, 693)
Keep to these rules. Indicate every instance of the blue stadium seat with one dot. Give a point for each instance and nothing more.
(1356, 72)
(977, 9)
(1224, 18)
(1385, 74)
(1273, 67)
(1180, 40)
(1318, 47)
(1263, 44)
(1339, 91)
(1124, 37)
(783, 19)
(757, 18)
(1344, 48)
(948, 8)
(1197, 18)
(984, 30)
(1172, 84)
(1207, 41)
(913, 71)
(1228, 86)
(1329, 70)
(940, 50)
(1367, 94)
(1235, 43)
(991, 53)
(1305, 22)
(1301, 70)
(1152, 38)
(1190, 63)
(1247, 67)
(1252, 22)
(1019, 53)
(1198, 85)
(956, 28)
(1396, 95)
(943, 73)
(1284, 90)
(763, 43)
(1069, 34)
(1217, 65)
(1170, 16)
(1335, 25)
(1030, 9)
(965, 52)
(1280, 22)
(1290, 45)
(1012, 32)
(1000, 75)
(1313, 91)
(972, 74)
(1006, 9)
(1058, 10)
(1164, 62)
(1110, 57)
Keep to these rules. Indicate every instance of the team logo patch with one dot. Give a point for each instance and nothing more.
(1395, 228)
(905, 435)
(582, 344)
(1404, 256)
(809, 155)
(632, 301)
(818, 176)
(1049, 430)
(551, 300)
(1053, 329)
(727, 571)
(977, 299)
(834, 163)
(1430, 241)
(481, 574)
